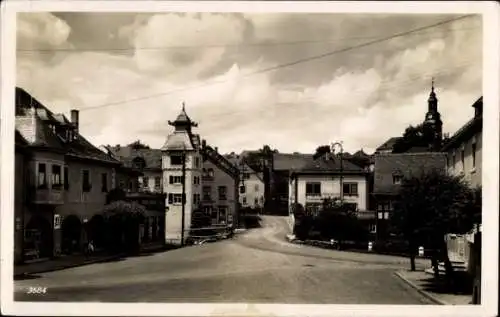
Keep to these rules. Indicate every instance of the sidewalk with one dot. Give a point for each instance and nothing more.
(70, 261)
(435, 290)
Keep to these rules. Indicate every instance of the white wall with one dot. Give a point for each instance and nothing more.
(472, 174)
(251, 194)
(330, 187)
(173, 218)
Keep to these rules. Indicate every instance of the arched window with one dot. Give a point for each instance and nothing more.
(139, 163)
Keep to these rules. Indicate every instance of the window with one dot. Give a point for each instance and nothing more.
(222, 193)
(197, 162)
(42, 175)
(157, 182)
(473, 155)
(256, 201)
(207, 210)
(207, 193)
(86, 186)
(66, 178)
(211, 172)
(256, 187)
(244, 202)
(397, 179)
(196, 199)
(246, 175)
(175, 179)
(350, 189)
(313, 189)
(222, 214)
(56, 176)
(242, 189)
(145, 182)
(372, 228)
(175, 199)
(104, 182)
(176, 160)
(130, 185)
(196, 180)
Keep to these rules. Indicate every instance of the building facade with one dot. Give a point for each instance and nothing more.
(220, 180)
(326, 177)
(251, 188)
(464, 158)
(66, 181)
(195, 177)
(389, 171)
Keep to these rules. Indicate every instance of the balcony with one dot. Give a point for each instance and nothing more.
(46, 195)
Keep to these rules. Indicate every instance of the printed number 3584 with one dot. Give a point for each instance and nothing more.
(37, 290)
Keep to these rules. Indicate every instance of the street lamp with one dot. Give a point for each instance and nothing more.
(339, 144)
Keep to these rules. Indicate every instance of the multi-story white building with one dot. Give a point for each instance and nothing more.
(325, 178)
(196, 174)
(464, 149)
(251, 188)
(182, 169)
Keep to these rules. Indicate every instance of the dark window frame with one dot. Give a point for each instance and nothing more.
(41, 180)
(313, 189)
(56, 176)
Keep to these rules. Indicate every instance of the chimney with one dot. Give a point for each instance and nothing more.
(74, 118)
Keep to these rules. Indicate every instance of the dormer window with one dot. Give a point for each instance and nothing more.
(397, 178)
(139, 163)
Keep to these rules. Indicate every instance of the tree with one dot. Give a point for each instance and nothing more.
(138, 145)
(123, 219)
(336, 220)
(321, 151)
(432, 205)
(414, 136)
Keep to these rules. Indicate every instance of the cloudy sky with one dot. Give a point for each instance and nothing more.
(129, 73)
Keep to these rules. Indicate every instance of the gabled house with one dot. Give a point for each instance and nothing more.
(144, 160)
(389, 171)
(66, 181)
(331, 177)
(251, 186)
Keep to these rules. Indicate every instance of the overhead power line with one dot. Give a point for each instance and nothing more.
(384, 85)
(296, 62)
(234, 45)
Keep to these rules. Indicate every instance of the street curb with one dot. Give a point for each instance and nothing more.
(69, 266)
(419, 290)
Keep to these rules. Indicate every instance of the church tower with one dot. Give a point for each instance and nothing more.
(432, 123)
(181, 167)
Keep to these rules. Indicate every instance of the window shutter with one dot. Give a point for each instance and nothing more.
(170, 198)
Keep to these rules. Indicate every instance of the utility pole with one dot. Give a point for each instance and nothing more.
(183, 194)
(339, 144)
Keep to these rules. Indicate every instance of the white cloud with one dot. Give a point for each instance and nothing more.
(362, 105)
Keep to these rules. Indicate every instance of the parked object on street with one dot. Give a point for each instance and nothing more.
(370, 246)
(420, 251)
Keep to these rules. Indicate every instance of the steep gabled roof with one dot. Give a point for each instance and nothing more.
(389, 144)
(48, 138)
(405, 165)
(126, 154)
(330, 164)
(289, 162)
